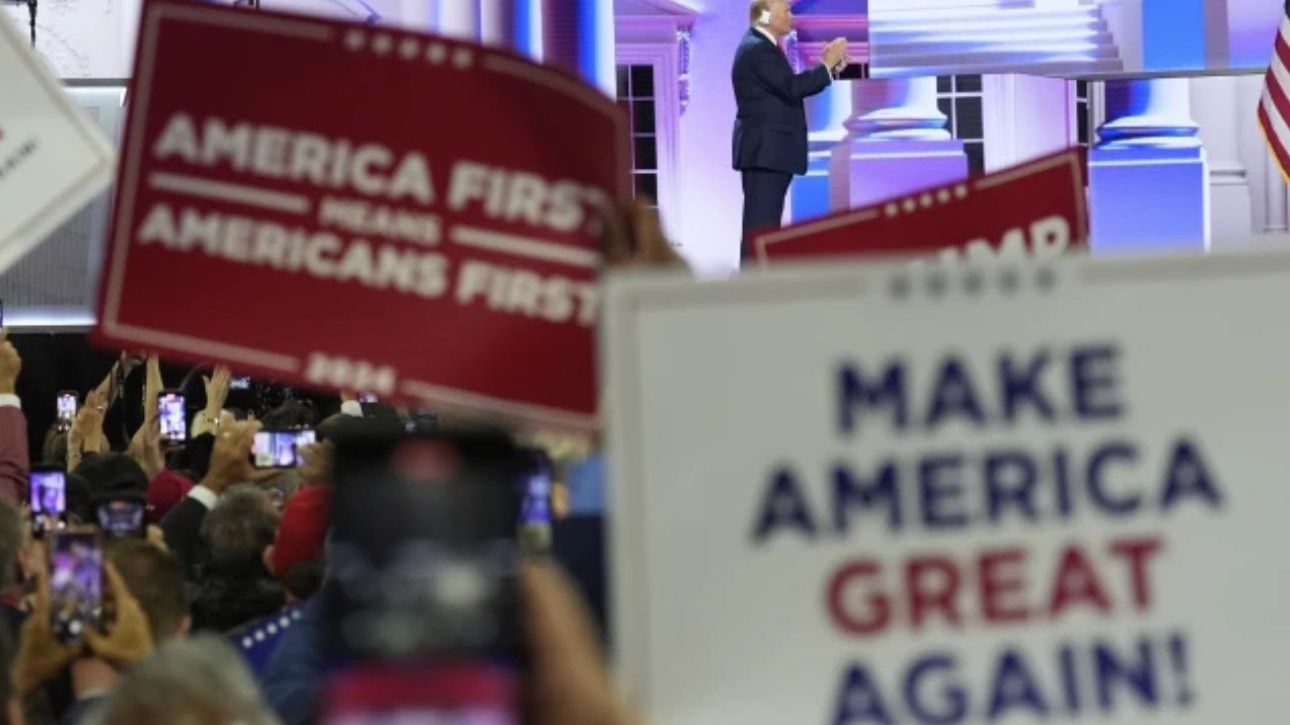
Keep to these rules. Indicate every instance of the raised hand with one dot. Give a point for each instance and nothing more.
(145, 447)
(217, 391)
(40, 655)
(231, 456)
(86, 434)
(835, 52)
(152, 386)
(315, 463)
(569, 681)
(10, 364)
(130, 640)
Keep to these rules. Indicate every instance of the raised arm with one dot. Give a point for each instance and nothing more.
(773, 73)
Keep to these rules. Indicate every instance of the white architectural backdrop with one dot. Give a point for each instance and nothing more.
(699, 194)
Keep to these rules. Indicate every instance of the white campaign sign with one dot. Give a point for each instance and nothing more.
(53, 160)
(893, 494)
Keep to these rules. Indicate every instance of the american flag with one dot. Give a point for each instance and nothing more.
(1274, 110)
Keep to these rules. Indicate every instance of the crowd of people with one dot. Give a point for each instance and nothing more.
(209, 614)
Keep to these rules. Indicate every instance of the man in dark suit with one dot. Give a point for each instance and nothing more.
(770, 129)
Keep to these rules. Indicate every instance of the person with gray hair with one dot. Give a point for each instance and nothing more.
(235, 586)
(199, 681)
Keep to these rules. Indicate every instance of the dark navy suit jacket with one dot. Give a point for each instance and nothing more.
(770, 129)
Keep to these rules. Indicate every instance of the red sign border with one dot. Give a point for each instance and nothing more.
(1071, 157)
(322, 30)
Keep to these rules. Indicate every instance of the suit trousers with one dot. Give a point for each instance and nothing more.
(764, 192)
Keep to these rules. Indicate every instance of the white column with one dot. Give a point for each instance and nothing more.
(458, 18)
(826, 116)
(1150, 113)
(896, 143)
(1277, 216)
(1025, 117)
(579, 35)
(897, 108)
(494, 22)
(1221, 119)
(417, 14)
(1148, 178)
(513, 24)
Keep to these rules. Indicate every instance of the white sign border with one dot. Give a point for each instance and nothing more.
(82, 190)
(629, 295)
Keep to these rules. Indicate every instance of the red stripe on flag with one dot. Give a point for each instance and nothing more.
(1282, 47)
(1280, 99)
(1274, 144)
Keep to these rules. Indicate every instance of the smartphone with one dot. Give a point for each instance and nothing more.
(423, 581)
(66, 410)
(280, 448)
(305, 437)
(76, 585)
(239, 384)
(536, 486)
(47, 492)
(174, 424)
(122, 517)
(367, 398)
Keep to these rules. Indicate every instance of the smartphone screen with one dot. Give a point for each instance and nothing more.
(239, 384)
(122, 518)
(366, 398)
(66, 407)
(424, 580)
(47, 493)
(76, 584)
(174, 426)
(535, 510)
(280, 448)
(304, 437)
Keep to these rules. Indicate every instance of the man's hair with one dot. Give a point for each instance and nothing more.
(10, 542)
(156, 580)
(113, 473)
(756, 8)
(54, 448)
(241, 525)
(198, 680)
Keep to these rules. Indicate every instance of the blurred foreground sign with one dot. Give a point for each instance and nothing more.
(1037, 207)
(371, 209)
(53, 160)
(1000, 494)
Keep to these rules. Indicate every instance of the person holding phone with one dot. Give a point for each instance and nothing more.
(96, 657)
(230, 464)
(14, 461)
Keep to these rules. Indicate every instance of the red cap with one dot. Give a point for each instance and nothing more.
(165, 492)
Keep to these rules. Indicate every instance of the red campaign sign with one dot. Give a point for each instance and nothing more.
(362, 208)
(1037, 206)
